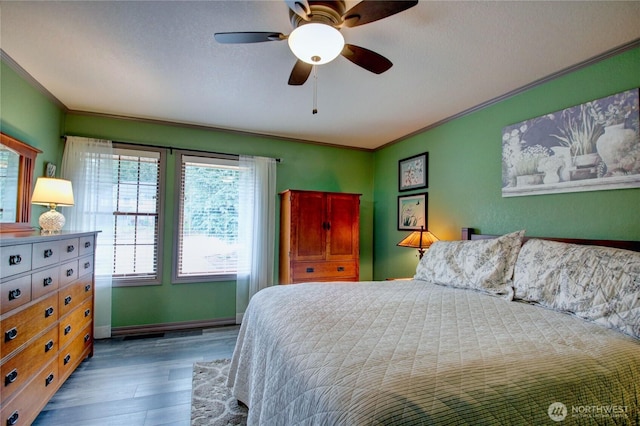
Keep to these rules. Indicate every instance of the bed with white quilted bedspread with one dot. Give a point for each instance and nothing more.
(413, 352)
(452, 346)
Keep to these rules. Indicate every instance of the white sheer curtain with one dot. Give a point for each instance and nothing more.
(88, 164)
(256, 228)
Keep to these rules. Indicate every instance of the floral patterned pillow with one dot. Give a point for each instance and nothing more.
(600, 284)
(485, 265)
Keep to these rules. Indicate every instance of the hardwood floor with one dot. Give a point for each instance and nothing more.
(144, 380)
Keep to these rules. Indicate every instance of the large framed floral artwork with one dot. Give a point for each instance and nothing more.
(588, 147)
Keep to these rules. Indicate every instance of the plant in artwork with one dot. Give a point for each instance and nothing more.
(576, 149)
(412, 210)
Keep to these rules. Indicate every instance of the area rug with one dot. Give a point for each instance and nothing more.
(211, 399)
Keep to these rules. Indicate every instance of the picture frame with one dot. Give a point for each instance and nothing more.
(50, 171)
(413, 172)
(412, 212)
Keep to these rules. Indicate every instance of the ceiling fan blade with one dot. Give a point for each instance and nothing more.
(300, 8)
(371, 10)
(300, 73)
(367, 59)
(248, 37)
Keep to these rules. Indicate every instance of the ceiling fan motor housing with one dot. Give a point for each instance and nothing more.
(322, 11)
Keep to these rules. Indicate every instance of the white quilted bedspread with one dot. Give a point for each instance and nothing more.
(409, 352)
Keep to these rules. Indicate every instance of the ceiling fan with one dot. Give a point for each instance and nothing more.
(316, 37)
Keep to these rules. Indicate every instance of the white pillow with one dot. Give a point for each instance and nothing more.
(600, 284)
(485, 265)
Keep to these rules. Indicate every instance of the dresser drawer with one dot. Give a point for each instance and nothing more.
(324, 271)
(70, 325)
(85, 266)
(86, 245)
(15, 293)
(24, 407)
(15, 260)
(69, 249)
(73, 354)
(68, 272)
(19, 369)
(22, 326)
(72, 295)
(44, 282)
(45, 254)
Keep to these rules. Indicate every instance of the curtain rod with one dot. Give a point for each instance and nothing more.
(171, 148)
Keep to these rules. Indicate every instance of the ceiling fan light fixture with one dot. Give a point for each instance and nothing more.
(316, 43)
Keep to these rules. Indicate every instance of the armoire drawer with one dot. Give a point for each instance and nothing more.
(19, 369)
(337, 271)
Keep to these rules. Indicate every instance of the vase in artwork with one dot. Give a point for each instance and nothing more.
(617, 147)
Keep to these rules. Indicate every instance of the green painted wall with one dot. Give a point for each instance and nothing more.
(303, 166)
(464, 177)
(465, 174)
(29, 116)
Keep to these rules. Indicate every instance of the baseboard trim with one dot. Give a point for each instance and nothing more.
(102, 332)
(170, 326)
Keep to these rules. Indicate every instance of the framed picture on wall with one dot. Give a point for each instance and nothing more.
(413, 172)
(412, 212)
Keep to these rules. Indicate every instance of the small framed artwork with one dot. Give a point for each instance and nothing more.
(412, 212)
(413, 172)
(51, 170)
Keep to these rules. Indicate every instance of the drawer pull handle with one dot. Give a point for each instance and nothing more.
(48, 346)
(70, 248)
(69, 272)
(340, 268)
(67, 329)
(11, 377)
(86, 338)
(87, 265)
(47, 281)
(87, 287)
(48, 312)
(67, 300)
(13, 418)
(87, 244)
(9, 335)
(48, 380)
(87, 313)
(15, 294)
(309, 270)
(67, 359)
(48, 253)
(15, 259)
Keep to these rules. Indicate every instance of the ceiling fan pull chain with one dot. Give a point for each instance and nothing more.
(315, 89)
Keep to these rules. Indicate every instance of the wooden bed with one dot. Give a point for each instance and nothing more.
(472, 349)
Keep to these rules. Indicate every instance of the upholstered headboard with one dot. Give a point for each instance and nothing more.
(470, 234)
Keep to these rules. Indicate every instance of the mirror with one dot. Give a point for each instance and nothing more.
(17, 160)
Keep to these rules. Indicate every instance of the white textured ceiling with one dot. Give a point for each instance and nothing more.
(158, 60)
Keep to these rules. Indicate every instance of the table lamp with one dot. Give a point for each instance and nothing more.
(53, 193)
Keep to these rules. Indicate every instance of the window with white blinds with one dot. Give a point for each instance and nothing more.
(136, 192)
(207, 231)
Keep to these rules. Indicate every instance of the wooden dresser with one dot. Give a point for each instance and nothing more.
(319, 236)
(46, 317)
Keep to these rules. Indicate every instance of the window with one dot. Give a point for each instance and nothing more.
(137, 185)
(207, 216)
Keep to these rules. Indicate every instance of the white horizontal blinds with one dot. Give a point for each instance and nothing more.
(208, 219)
(136, 196)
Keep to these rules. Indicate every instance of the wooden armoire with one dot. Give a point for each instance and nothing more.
(319, 236)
